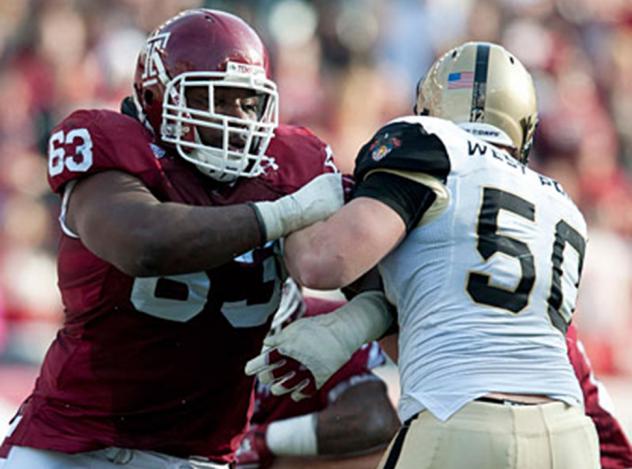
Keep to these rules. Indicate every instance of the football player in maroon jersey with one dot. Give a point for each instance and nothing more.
(346, 424)
(168, 265)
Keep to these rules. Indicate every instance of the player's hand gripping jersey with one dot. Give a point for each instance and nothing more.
(500, 253)
(270, 408)
(156, 363)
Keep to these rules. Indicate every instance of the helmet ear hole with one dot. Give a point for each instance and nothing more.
(148, 97)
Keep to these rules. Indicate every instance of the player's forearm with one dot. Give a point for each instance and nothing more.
(215, 234)
(325, 256)
(193, 239)
(308, 262)
(336, 252)
(361, 420)
(121, 221)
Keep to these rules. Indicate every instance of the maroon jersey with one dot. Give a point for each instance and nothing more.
(614, 447)
(270, 408)
(157, 363)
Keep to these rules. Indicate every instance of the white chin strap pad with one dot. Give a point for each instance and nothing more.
(215, 158)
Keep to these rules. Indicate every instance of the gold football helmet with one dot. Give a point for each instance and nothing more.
(485, 90)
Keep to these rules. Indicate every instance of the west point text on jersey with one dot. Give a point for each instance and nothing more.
(475, 148)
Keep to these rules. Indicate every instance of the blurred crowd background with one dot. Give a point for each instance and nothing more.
(343, 68)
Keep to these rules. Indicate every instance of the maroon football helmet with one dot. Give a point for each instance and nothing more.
(207, 49)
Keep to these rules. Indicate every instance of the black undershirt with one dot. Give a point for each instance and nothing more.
(410, 199)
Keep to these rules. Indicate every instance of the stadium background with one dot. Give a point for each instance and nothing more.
(343, 68)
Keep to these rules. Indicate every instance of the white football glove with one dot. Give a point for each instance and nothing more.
(315, 201)
(304, 355)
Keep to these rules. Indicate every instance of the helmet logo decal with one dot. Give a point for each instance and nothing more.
(244, 69)
(383, 145)
(460, 80)
(479, 91)
(154, 68)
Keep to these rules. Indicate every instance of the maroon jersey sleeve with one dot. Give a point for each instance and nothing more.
(615, 449)
(90, 141)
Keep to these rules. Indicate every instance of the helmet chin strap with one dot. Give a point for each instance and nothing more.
(216, 175)
(217, 158)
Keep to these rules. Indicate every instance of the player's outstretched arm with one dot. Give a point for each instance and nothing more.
(121, 221)
(334, 253)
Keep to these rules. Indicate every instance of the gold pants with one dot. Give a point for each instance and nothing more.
(485, 435)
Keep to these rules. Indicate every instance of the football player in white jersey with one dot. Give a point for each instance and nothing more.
(481, 258)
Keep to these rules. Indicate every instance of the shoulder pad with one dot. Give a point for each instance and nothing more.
(300, 156)
(90, 141)
(404, 144)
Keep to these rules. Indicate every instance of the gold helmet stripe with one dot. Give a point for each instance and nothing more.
(479, 91)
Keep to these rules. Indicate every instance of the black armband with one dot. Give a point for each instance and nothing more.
(371, 280)
(410, 199)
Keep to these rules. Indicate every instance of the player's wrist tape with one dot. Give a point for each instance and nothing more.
(366, 317)
(276, 218)
(315, 201)
(293, 437)
(323, 344)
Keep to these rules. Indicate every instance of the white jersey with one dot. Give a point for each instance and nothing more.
(485, 287)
